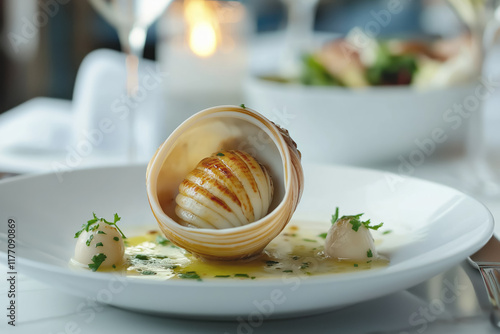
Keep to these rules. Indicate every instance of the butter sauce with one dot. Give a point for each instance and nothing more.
(296, 251)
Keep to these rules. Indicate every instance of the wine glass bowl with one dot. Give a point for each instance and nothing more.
(131, 19)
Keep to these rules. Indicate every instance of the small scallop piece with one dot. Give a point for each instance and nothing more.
(344, 243)
(106, 240)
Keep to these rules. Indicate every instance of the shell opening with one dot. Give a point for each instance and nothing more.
(214, 134)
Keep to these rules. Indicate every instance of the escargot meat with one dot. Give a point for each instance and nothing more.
(227, 189)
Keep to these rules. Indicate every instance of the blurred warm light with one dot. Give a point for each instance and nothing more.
(203, 27)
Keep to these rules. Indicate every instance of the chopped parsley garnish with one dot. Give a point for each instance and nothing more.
(114, 266)
(355, 265)
(101, 232)
(387, 232)
(369, 253)
(295, 257)
(160, 257)
(97, 260)
(241, 275)
(161, 240)
(148, 272)
(93, 225)
(222, 275)
(288, 271)
(243, 106)
(141, 257)
(369, 261)
(355, 221)
(89, 240)
(309, 240)
(322, 235)
(220, 154)
(173, 266)
(99, 244)
(116, 238)
(335, 217)
(190, 275)
(271, 263)
(304, 265)
(253, 277)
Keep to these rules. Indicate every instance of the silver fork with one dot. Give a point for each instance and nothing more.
(487, 261)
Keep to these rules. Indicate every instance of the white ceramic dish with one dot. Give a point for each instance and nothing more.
(434, 228)
(348, 126)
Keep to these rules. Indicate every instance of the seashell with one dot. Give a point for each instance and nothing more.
(227, 189)
(225, 129)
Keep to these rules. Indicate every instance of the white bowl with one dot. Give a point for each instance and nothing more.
(378, 124)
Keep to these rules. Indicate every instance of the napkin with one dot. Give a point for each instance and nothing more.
(93, 128)
(102, 109)
(36, 126)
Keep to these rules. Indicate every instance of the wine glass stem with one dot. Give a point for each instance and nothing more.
(299, 32)
(133, 41)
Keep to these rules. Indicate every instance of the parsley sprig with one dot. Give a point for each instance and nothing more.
(93, 224)
(355, 221)
(97, 260)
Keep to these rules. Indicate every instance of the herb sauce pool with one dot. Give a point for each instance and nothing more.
(296, 251)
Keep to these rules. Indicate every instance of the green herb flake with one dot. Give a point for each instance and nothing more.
(172, 266)
(116, 238)
(241, 275)
(101, 232)
(309, 240)
(322, 235)
(335, 217)
(190, 275)
(142, 257)
(387, 232)
(295, 257)
(97, 260)
(89, 240)
(114, 266)
(369, 261)
(148, 272)
(99, 244)
(304, 265)
(271, 263)
(161, 240)
(243, 106)
(369, 253)
(356, 222)
(356, 265)
(223, 276)
(288, 271)
(93, 224)
(253, 277)
(160, 257)
(220, 154)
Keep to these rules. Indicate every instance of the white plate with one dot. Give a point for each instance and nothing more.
(435, 227)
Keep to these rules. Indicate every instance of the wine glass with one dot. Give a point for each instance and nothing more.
(299, 35)
(131, 19)
(479, 17)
